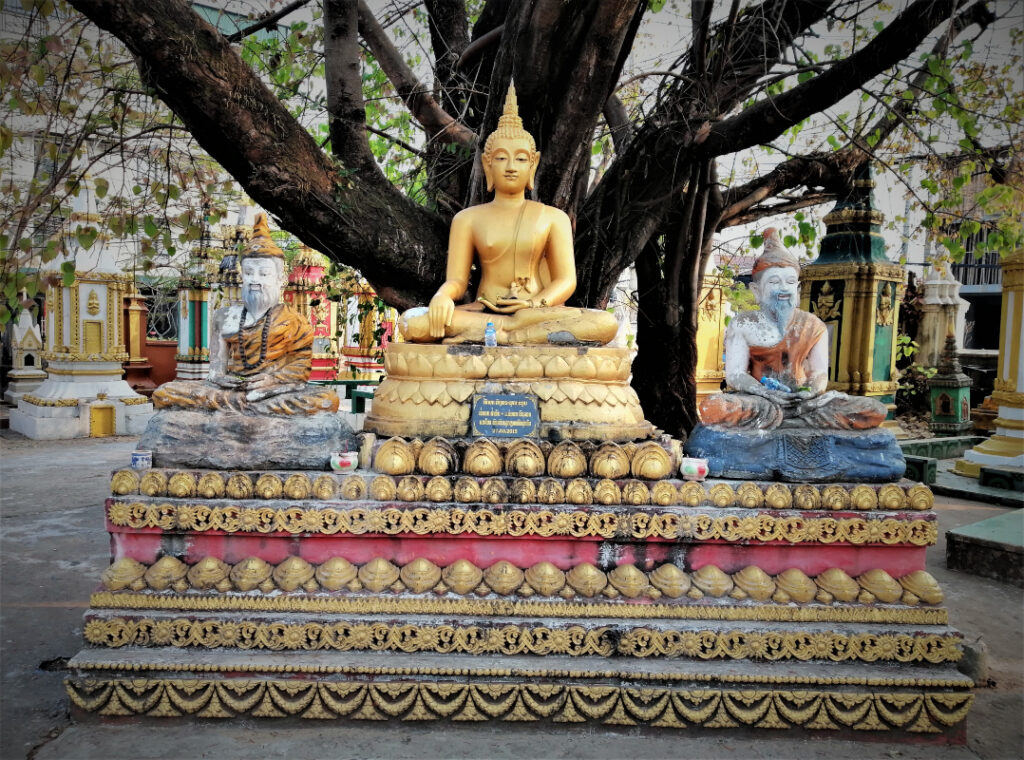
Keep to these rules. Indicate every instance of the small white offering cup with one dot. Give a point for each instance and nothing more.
(344, 461)
(142, 460)
(692, 468)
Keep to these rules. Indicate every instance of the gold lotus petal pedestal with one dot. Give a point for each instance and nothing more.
(582, 393)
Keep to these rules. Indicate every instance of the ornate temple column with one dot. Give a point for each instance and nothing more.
(1006, 447)
(307, 294)
(855, 290)
(941, 307)
(711, 316)
(137, 369)
(84, 393)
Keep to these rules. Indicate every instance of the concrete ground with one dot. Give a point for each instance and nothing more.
(53, 548)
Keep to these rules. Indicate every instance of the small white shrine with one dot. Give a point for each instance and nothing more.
(26, 358)
(84, 393)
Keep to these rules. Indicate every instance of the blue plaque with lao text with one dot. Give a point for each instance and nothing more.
(505, 415)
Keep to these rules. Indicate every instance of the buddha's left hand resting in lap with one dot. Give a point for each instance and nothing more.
(525, 254)
(262, 350)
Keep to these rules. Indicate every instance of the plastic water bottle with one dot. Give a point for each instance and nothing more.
(490, 335)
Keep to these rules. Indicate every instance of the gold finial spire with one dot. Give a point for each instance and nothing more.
(261, 245)
(510, 124)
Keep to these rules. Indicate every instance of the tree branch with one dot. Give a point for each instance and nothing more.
(767, 119)
(345, 109)
(438, 124)
(265, 21)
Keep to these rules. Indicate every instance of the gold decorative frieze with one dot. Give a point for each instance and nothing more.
(36, 401)
(519, 639)
(666, 707)
(134, 401)
(582, 581)
(424, 521)
(485, 461)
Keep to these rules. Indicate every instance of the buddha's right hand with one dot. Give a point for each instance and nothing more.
(439, 314)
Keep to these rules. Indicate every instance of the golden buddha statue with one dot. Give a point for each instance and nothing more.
(262, 350)
(525, 253)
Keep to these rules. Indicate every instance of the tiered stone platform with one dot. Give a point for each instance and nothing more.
(519, 580)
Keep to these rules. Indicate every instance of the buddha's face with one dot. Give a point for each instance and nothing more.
(262, 282)
(777, 290)
(511, 165)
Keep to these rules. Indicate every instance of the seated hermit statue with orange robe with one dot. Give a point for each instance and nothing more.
(525, 254)
(776, 361)
(262, 350)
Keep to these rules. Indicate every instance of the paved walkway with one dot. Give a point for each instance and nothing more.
(53, 548)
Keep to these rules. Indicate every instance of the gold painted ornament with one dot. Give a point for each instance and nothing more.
(635, 493)
(383, 488)
(721, 495)
(209, 572)
(378, 574)
(394, 457)
(882, 586)
(664, 494)
(863, 497)
(545, 578)
(124, 573)
(607, 493)
(294, 573)
(550, 491)
(749, 495)
(793, 585)
(420, 575)
(335, 573)
(920, 497)
(806, 497)
(239, 486)
(494, 491)
(778, 496)
(503, 577)
(268, 486)
(153, 483)
(651, 462)
(587, 580)
(691, 494)
(836, 584)
(711, 580)
(524, 458)
(754, 583)
(482, 458)
(409, 488)
(437, 457)
(252, 573)
(167, 572)
(609, 461)
(629, 581)
(567, 460)
(467, 491)
(891, 496)
(670, 580)
(922, 586)
(438, 489)
(523, 491)
(325, 487)
(835, 497)
(354, 488)
(297, 487)
(211, 485)
(578, 491)
(124, 482)
(462, 576)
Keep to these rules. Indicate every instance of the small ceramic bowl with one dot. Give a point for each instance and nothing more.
(344, 461)
(142, 460)
(692, 468)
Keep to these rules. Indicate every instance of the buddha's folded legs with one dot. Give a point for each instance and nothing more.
(539, 326)
(839, 411)
(201, 395)
(741, 411)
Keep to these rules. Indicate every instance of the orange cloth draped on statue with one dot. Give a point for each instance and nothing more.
(289, 347)
(830, 410)
(787, 357)
(287, 360)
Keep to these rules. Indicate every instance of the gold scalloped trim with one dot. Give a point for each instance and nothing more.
(914, 712)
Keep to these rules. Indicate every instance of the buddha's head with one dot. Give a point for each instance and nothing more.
(262, 270)
(510, 154)
(776, 281)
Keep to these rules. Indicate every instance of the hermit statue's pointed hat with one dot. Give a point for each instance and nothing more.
(261, 245)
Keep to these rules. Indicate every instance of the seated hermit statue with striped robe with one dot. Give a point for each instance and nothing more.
(262, 350)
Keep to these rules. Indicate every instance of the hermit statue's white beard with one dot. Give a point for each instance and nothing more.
(258, 302)
(779, 312)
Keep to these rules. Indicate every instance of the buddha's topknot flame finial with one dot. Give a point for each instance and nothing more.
(510, 124)
(261, 245)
